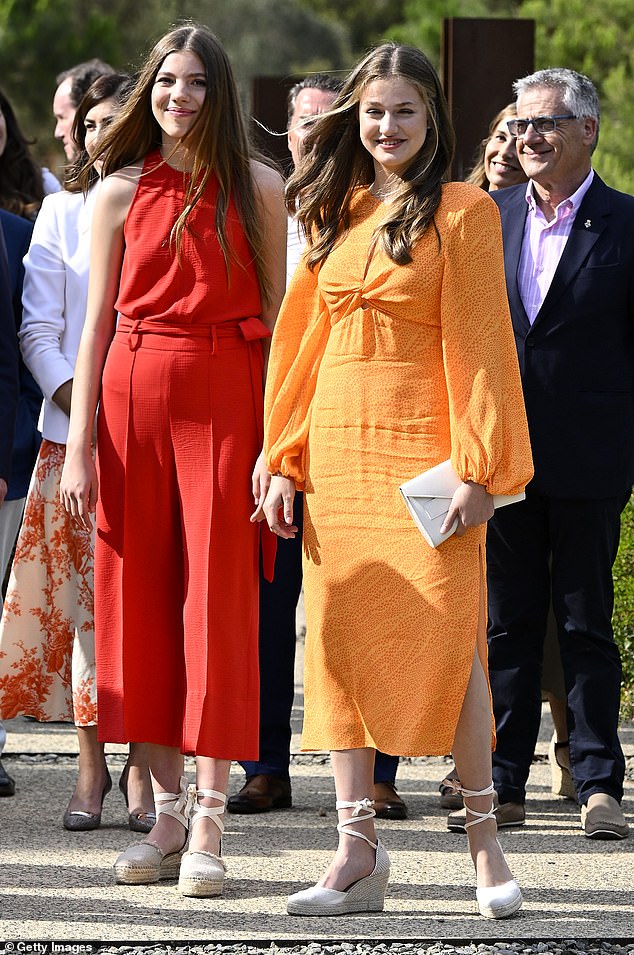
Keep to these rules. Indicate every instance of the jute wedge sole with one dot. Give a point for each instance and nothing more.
(202, 875)
(499, 901)
(366, 895)
(145, 864)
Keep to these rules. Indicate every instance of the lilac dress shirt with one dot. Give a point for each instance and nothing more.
(543, 245)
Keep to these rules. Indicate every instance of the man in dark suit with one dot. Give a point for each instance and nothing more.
(8, 410)
(569, 260)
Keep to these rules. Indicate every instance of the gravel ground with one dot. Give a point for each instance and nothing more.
(517, 947)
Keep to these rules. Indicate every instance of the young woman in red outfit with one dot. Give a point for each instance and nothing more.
(188, 249)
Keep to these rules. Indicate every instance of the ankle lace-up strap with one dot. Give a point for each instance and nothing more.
(212, 812)
(455, 786)
(365, 806)
(178, 805)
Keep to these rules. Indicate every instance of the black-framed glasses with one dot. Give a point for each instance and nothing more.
(541, 124)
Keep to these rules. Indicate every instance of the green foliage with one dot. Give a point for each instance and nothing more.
(366, 23)
(40, 38)
(623, 619)
(598, 40)
(272, 37)
(422, 25)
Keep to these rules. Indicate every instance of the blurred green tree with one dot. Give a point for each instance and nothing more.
(366, 23)
(40, 38)
(597, 39)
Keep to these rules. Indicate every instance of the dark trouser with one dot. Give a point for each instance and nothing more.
(580, 539)
(278, 604)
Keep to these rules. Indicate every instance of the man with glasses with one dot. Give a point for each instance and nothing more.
(569, 260)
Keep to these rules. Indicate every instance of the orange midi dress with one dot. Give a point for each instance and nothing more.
(378, 372)
(179, 430)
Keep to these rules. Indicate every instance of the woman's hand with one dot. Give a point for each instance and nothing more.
(260, 480)
(78, 487)
(278, 507)
(471, 505)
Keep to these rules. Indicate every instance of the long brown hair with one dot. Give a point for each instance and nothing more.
(81, 174)
(218, 140)
(337, 162)
(477, 176)
(21, 184)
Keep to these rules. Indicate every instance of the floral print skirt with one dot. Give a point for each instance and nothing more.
(47, 643)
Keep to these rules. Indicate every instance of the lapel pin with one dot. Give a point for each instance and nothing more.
(587, 223)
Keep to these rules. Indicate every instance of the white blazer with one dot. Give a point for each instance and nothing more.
(54, 298)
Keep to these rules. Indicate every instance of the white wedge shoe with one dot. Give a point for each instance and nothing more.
(145, 862)
(365, 895)
(202, 874)
(494, 901)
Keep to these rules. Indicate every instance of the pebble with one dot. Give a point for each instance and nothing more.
(517, 947)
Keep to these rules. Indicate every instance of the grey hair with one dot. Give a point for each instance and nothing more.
(578, 93)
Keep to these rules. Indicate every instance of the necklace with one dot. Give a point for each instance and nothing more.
(384, 193)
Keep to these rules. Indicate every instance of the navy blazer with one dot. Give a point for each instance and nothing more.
(8, 366)
(17, 234)
(577, 359)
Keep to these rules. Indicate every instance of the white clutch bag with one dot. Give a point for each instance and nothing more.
(429, 495)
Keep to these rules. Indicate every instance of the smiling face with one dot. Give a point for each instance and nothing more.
(501, 165)
(392, 124)
(178, 95)
(557, 161)
(95, 121)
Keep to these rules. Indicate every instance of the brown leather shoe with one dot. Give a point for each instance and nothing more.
(507, 814)
(387, 802)
(261, 793)
(449, 798)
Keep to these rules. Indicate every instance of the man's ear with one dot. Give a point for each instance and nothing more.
(590, 126)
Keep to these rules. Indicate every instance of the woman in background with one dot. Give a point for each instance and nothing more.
(23, 184)
(497, 165)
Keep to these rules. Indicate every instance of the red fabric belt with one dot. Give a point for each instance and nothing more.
(250, 329)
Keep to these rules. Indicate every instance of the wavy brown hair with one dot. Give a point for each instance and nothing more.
(477, 176)
(81, 174)
(21, 185)
(336, 161)
(218, 140)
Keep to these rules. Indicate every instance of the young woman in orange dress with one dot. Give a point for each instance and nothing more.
(393, 352)
(189, 244)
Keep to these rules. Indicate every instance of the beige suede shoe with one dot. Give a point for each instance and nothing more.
(202, 874)
(602, 818)
(145, 862)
